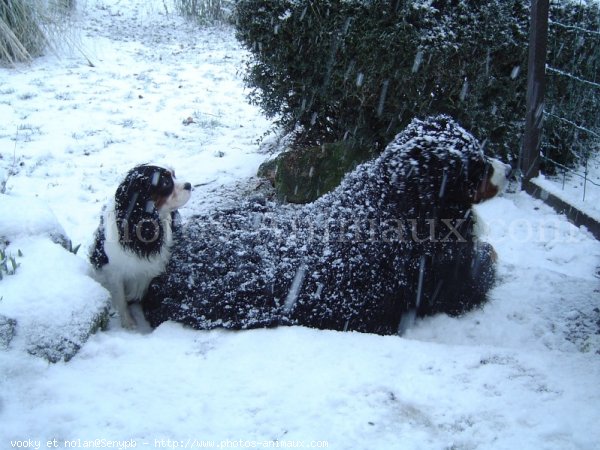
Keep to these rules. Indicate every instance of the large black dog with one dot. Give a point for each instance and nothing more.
(394, 240)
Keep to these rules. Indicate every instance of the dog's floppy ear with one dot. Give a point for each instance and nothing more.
(137, 218)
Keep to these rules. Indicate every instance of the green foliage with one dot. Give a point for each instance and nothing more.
(303, 175)
(72, 249)
(8, 263)
(572, 128)
(354, 69)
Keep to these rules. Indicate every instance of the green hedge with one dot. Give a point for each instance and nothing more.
(577, 53)
(361, 70)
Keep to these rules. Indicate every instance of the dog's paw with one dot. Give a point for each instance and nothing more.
(128, 322)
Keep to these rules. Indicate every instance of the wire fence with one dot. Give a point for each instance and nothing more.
(570, 66)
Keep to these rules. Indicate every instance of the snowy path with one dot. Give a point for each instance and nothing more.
(76, 129)
(523, 372)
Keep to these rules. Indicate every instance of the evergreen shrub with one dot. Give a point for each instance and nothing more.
(572, 127)
(335, 70)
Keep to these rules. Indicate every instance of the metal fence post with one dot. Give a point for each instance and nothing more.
(529, 161)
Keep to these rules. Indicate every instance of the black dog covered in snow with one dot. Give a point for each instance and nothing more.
(394, 240)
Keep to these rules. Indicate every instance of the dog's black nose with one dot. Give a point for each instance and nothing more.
(187, 186)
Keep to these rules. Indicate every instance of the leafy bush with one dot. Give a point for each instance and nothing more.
(361, 70)
(572, 129)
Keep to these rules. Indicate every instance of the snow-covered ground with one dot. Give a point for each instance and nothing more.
(580, 188)
(523, 372)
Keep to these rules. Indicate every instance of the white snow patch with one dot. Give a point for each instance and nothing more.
(22, 216)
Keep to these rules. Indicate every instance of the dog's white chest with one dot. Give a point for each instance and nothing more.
(125, 266)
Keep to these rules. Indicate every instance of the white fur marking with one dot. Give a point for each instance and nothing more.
(499, 176)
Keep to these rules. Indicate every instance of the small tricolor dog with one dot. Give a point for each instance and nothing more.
(132, 243)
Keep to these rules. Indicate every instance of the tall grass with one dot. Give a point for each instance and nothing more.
(206, 12)
(29, 27)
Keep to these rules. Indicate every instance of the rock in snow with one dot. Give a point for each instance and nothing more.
(7, 331)
(50, 306)
(26, 216)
